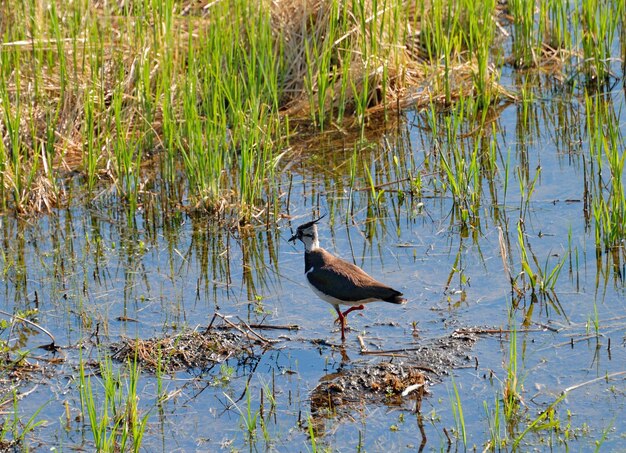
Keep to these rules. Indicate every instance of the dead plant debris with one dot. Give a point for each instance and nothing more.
(190, 349)
(389, 381)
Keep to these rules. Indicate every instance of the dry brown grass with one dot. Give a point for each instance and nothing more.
(51, 102)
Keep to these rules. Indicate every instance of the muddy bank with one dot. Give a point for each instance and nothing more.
(394, 377)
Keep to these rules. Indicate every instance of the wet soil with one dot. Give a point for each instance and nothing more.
(392, 375)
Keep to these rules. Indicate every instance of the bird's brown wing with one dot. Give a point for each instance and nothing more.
(345, 281)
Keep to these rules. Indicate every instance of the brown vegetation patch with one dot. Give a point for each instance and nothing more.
(14, 374)
(389, 381)
(186, 350)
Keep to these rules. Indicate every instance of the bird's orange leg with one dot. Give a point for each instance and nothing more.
(356, 307)
(341, 319)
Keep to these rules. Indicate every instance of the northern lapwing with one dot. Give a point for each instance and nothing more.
(338, 282)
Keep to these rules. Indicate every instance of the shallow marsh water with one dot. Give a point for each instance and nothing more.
(96, 275)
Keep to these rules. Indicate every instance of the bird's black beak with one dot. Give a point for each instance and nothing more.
(293, 238)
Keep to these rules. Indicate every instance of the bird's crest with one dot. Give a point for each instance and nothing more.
(304, 226)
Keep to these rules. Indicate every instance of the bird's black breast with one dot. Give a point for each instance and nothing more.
(312, 259)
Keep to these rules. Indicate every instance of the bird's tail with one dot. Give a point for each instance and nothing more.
(395, 298)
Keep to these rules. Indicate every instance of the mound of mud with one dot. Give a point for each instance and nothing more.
(391, 378)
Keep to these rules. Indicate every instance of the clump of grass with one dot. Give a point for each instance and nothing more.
(458, 38)
(540, 279)
(525, 40)
(253, 420)
(599, 23)
(353, 58)
(606, 165)
(114, 418)
(497, 439)
(464, 160)
(512, 386)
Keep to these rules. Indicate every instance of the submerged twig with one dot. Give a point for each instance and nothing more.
(275, 327)
(250, 334)
(601, 378)
(231, 324)
(35, 325)
(259, 336)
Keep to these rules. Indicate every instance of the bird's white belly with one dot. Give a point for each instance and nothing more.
(333, 300)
